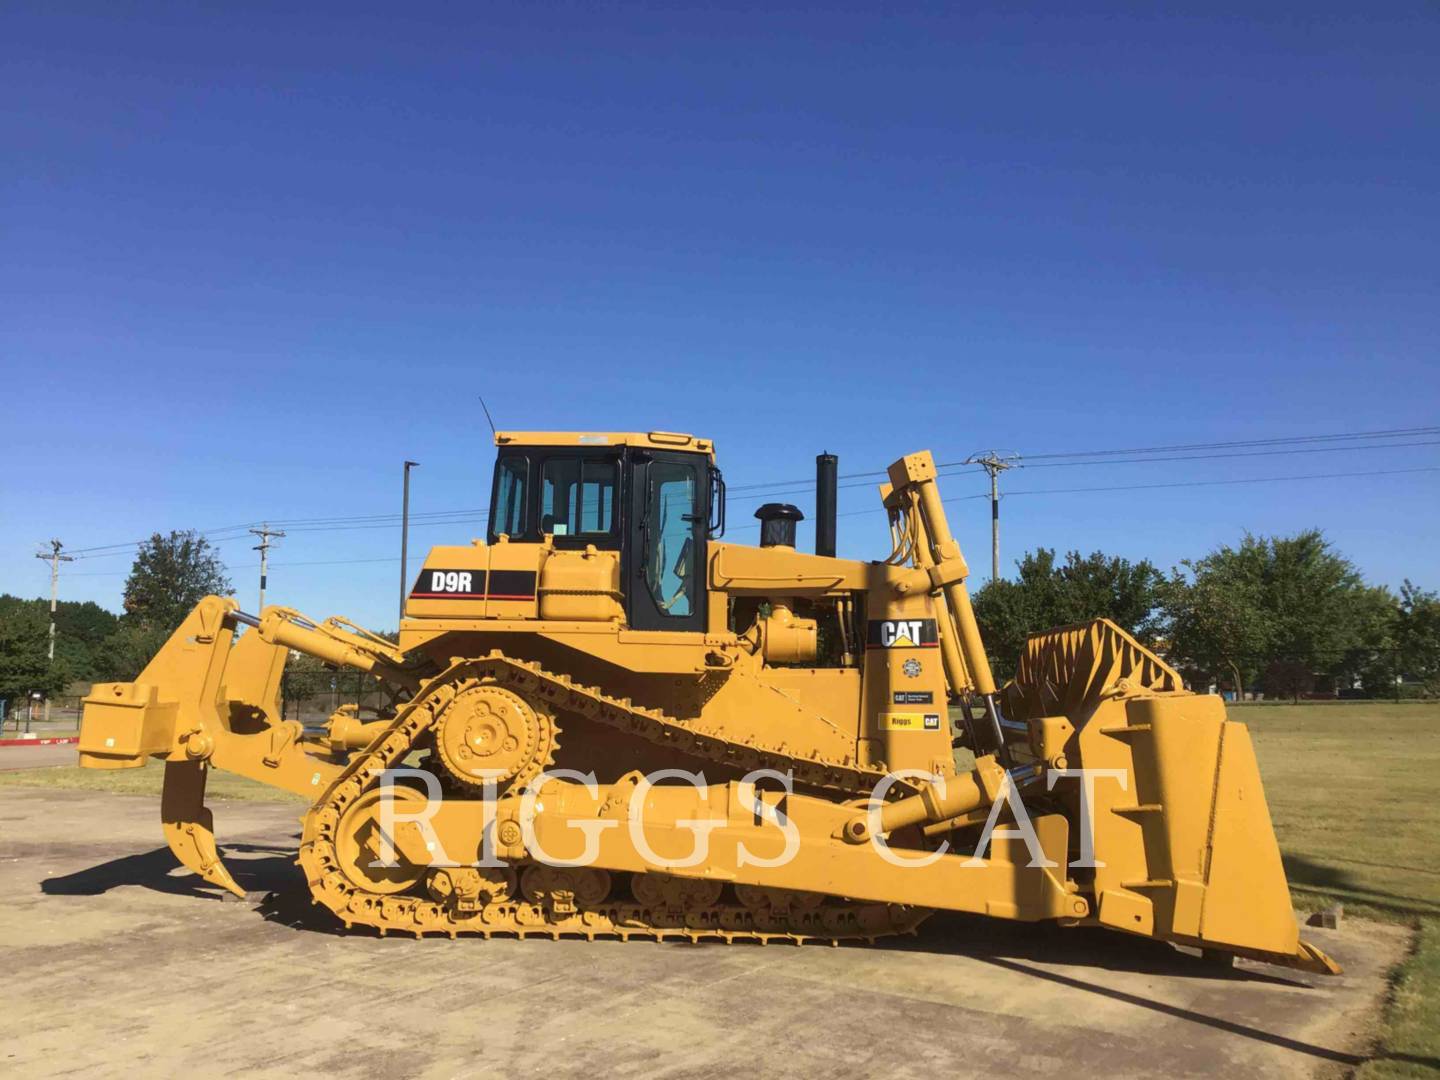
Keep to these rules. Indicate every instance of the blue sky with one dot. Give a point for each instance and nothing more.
(255, 258)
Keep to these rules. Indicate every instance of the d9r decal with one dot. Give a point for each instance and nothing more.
(474, 585)
(451, 581)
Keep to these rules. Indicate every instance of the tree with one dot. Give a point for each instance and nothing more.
(1315, 598)
(1370, 660)
(25, 665)
(81, 631)
(1287, 678)
(305, 677)
(126, 652)
(1046, 595)
(172, 574)
(1417, 636)
(1275, 605)
(1217, 621)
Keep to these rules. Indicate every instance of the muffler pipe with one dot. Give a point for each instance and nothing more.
(826, 476)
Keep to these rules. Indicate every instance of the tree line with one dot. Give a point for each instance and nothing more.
(1282, 615)
(170, 575)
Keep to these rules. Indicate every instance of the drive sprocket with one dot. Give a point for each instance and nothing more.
(490, 732)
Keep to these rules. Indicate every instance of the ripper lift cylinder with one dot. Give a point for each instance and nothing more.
(280, 627)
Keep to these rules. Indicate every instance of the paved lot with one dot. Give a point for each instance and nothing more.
(118, 966)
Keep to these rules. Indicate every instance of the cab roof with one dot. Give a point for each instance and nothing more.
(659, 440)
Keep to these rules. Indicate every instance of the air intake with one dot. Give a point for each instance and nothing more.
(777, 524)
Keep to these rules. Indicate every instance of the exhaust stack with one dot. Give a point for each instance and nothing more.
(826, 468)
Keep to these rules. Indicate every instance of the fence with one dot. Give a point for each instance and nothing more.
(20, 717)
(307, 696)
(311, 696)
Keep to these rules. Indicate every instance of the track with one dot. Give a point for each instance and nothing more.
(660, 909)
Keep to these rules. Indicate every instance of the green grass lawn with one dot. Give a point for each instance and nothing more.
(1352, 794)
(142, 781)
(1352, 797)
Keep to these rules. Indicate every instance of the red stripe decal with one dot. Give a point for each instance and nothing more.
(468, 596)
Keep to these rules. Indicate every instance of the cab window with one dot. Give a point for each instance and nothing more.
(671, 555)
(578, 495)
(510, 491)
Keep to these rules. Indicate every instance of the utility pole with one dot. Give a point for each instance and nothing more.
(405, 538)
(264, 533)
(55, 559)
(994, 464)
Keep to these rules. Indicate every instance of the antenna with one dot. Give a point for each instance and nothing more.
(487, 414)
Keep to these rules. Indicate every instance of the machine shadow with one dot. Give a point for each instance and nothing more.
(1308, 876)
(958, 934)
(257, 868)
(1035, 950)
(274, 885)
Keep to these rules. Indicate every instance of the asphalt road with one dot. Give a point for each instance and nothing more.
(118, 964)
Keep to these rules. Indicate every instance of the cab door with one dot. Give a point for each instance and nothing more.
(665, 576)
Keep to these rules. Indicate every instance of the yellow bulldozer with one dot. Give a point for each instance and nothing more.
(606, 721)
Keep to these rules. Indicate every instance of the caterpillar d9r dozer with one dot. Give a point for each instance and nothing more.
(605, 721)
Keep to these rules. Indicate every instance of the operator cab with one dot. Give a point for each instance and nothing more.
(656, 498)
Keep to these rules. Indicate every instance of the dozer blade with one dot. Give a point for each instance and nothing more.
(190, 826)
(1184, 849)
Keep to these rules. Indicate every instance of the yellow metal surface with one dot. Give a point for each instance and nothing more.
(581, 586)
(188, 825)
(123, 723)
(1183, 844)
(786, 771)
(656, 440)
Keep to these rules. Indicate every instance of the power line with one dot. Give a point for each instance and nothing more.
(1296, 444)
(1175, 484)
(1235, 454)
(1184, 452)
(1212, 483)
(878, 510)
(1288, 439)
(439, 517)
(381, 518)
(1027, 462)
